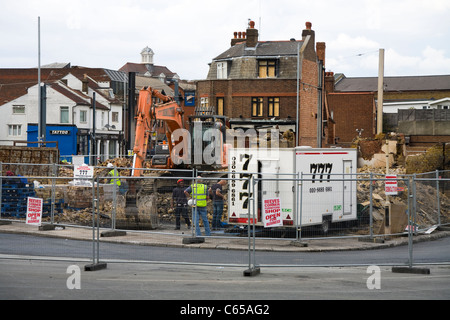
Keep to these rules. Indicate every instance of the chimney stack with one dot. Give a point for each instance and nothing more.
(252, 35)
(85, 82)
(310, 49)
(238, 37)
(320, 49)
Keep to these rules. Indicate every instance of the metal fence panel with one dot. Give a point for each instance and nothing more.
(92, 209)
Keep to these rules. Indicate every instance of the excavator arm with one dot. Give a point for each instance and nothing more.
(147, 115)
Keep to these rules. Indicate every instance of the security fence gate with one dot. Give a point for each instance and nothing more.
(288, 219)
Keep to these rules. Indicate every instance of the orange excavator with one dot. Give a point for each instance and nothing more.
(147, 115)
(146, 118)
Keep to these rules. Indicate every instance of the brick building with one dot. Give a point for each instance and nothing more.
(254, 84)
(353, 103)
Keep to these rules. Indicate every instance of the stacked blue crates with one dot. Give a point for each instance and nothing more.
(15, 193)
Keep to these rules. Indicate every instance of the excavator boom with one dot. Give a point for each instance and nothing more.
(146, 116)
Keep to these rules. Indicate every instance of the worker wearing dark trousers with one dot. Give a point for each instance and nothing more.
(179, 203)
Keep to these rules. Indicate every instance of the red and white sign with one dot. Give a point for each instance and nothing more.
(390, 186)
(83, 171)
(34, 211)
(272, 213)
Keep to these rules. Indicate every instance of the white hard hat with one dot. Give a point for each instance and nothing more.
(191, 202)
(109, 165)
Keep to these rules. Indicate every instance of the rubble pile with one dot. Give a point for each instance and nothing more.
(426, 195)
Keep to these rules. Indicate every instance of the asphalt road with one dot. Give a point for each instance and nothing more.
(436, 251)
(45, 280)
(25, 277)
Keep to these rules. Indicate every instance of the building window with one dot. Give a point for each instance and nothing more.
(115, 117)
(64, 115)
(103, 119)
(222, 70)
(204, 103)
(274, 107)
(83, 116)
(220, 102)
(18, 109)
(257, 107)
(267, 68)
(15, 130)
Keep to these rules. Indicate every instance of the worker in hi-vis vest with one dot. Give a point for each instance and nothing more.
(114, 174)
(198, 192)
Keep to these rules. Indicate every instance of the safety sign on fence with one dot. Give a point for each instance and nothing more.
(272, 213)
(34, 211)
(83, 171)
(391, 186)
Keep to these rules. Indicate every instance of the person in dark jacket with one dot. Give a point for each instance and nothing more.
(179, 203)
(215, 193)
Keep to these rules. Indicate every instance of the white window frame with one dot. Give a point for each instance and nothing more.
(14, 130)
(18, 109)
(222, 70)
(83, 116)
(63, 110)
(115, 117)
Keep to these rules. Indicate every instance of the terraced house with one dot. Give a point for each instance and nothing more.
(262, 84)
(68, 93)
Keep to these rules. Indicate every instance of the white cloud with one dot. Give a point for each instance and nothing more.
(186, 35)
(434, 59)
(349, 43)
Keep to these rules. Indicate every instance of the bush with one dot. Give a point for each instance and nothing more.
(433, 159)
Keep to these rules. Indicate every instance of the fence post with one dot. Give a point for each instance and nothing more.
(298, 212)
(194, 238)
(114, 210)
(52, 205)
(252, 269)
(96, 264)
(1, 187)
(371, 206)
(413, 212)
(438, 198)
(410, 268)
(301, 206)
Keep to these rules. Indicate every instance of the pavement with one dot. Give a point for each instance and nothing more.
(183, 238)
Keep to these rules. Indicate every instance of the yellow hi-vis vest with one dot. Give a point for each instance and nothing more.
(198, 193)
(113, 173)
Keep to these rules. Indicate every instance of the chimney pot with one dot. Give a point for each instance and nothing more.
(252, 24)
(308, 25)
(235, 34)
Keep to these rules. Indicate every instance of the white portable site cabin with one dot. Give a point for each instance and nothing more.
(315, 186)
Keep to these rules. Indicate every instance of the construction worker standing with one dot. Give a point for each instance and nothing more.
(114, 175)
(199, 194)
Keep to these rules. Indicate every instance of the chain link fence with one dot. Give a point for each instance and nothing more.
(283, 211)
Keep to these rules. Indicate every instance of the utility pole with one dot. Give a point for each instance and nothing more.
(39, 135)
(380, 92)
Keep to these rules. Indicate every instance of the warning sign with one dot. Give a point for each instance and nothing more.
(391, 185)
(272, 213)
(83, 171)
(34, 211)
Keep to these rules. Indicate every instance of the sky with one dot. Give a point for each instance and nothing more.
(187, 34)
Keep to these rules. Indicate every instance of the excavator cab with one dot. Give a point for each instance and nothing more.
(161, 155)
(211, 143)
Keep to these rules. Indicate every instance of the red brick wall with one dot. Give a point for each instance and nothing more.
(308, 104)
(238, 95)
(352, 111)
